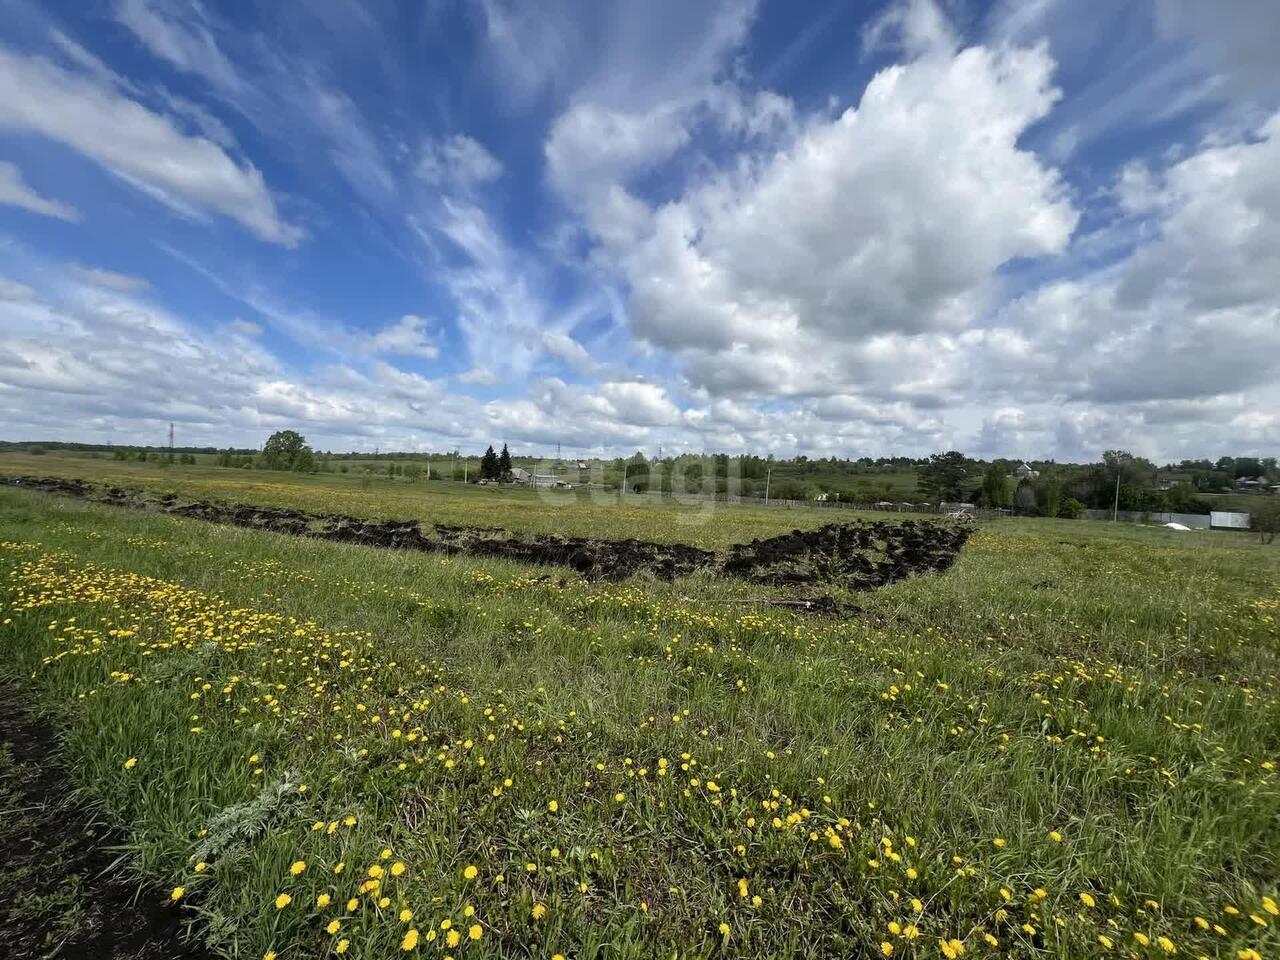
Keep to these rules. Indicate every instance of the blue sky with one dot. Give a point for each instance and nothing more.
(1020, 229)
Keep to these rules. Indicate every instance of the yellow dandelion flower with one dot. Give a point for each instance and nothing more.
(297, 867)
(724, 929)
(283, 901)
(176, 893)
(469, 872)
(333, 927)
(410, 941)
(475, 932)
(131, 763)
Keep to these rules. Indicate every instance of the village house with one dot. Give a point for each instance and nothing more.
(1168, 479)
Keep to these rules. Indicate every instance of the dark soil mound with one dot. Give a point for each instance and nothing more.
(856, 556)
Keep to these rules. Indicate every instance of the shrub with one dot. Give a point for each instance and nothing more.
(1071, 509)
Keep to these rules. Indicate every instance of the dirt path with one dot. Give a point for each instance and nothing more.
(64, 894)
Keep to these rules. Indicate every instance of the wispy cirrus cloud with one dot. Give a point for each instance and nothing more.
(15, 192)
(192, 175)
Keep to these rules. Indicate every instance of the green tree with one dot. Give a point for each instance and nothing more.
(1181, 498)
(1049, 493)
(1024, 498)
(1265, 519)
(942, 478)
(995, 486)
(504, 464)
(283, 449)
(489, 465)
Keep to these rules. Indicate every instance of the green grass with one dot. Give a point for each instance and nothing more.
(580, 513)
(1114, 686)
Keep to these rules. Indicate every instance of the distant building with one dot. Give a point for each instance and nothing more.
(520, 475)
(1167, 480)
(546, 480)
(1252, 485)
(1024, 472)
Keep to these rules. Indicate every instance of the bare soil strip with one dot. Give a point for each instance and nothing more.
(855, 556)
(64, 893)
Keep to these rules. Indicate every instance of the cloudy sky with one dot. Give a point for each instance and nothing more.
(1033, 228)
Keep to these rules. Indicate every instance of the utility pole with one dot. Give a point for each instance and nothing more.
(768, 475)
(625, 467)
(1115, 507)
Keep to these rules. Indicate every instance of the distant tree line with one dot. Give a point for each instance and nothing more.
(1063, 490)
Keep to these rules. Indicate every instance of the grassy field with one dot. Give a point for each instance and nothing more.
(578, 513)
(1064, 746)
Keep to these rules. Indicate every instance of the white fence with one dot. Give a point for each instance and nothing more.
(1218, 519)
(1229, 520)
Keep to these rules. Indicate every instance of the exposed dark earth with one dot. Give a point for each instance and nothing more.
(857, 556)
(854, 556)
(65, 893)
